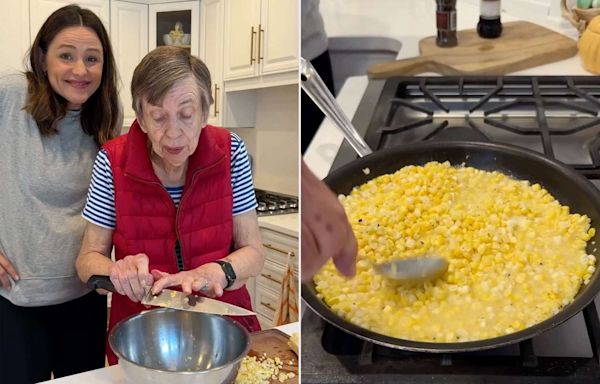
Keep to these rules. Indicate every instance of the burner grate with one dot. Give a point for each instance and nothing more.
(540, 113)
(271, 203)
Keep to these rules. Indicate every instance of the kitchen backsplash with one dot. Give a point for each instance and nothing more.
(273, 143)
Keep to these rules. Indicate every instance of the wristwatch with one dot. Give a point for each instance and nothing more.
(229, 272)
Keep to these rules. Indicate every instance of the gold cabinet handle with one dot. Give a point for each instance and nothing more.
(269, 277)
(216, 99)
(260, 33)
(252, 34)
(267, 305)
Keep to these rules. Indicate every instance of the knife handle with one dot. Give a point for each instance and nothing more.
(99, 281)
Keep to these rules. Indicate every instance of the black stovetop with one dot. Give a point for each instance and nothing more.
(557, 116)
(331, 356)
(275, 203)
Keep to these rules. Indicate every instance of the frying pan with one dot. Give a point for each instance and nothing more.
(567, 186)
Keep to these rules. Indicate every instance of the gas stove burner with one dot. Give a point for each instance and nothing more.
(271, 203)
(556, 116)
(262, 206)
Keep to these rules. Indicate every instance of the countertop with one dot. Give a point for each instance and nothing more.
(287, 223)
(407, 22)
(114, 375)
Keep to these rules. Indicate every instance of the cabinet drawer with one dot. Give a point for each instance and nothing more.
(267, 301)
(278, 246)
(264, 322)
(272, 275)
(270, 236)
(279, 253)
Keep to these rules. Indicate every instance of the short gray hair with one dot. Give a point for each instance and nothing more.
(160, 69)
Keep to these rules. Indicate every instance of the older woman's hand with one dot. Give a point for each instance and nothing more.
(208, 279)
(130, 275)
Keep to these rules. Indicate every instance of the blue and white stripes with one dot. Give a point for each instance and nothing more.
(100, 205)
(244, 198)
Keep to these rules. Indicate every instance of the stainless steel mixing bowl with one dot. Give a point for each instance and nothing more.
(179, 347)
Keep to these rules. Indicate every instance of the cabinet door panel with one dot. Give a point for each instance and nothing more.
(129, 37)
(211, 52)
(279, 46)
(241, 38)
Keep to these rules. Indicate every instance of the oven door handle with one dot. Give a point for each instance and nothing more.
(314, 87)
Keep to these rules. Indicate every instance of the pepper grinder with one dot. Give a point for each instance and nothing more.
(446, 23)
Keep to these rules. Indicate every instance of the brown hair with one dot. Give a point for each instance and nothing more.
(160, 69)
(100, 114)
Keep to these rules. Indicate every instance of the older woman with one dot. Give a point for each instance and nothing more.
(53, 120)
(174, 196)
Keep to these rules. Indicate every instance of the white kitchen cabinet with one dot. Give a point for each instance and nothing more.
(129, 38)
(165, 19)
(280, 36)
(39, 10)
(242, 18)
(280, 249)
(211, 52)
(261, 39)
(232, 110)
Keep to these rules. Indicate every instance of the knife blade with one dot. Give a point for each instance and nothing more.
(174, 299)
(178, 300)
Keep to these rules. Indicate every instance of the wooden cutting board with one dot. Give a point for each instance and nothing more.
(522, 45)
(274, 343)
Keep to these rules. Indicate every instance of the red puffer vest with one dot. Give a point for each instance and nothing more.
(148, 222)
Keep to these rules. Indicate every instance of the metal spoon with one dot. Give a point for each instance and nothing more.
(415, 270)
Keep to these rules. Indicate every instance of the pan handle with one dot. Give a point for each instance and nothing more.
(99, 281)
(315, 88)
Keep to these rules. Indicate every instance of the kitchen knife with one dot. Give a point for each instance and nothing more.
(178, 300)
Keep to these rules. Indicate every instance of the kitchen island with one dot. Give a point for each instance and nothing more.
(114, 374)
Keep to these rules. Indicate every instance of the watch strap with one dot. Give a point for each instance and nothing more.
(229, 272)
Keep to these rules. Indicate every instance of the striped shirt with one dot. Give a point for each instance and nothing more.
(100, 205)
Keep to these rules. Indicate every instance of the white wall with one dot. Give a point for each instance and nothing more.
(532, 9)
(273, 142)
(14, 34)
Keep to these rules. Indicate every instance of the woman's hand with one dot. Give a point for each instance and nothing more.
(326, 232)
(130, 275)
(209, 279)
(6, 270)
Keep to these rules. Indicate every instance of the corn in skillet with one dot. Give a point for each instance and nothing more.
(516, 255)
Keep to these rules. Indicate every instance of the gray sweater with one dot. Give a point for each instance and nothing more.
(43, 186)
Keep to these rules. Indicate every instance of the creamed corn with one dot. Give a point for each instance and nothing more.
(516, 256)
